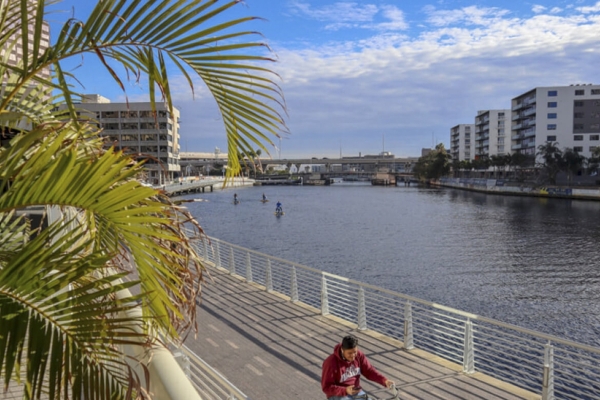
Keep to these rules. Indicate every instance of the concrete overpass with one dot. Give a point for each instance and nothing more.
(367, 163)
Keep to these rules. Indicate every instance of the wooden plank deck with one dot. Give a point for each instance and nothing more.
(271, 348)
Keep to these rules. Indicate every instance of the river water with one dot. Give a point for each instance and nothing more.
(532, 262)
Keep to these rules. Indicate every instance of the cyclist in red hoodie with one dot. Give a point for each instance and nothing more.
(340, 379)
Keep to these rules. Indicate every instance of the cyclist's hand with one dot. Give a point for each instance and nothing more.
(389, 384)
(351, 390)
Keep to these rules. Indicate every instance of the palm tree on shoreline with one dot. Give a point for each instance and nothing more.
(61, 287)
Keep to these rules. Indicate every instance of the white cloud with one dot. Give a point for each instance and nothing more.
(410, 88)
(338, 12)
(346, 15)
(591, 9)
(395, 17)
(471, 15)
(538, 8)
(407, 88)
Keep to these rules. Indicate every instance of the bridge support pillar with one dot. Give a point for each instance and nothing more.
(408, 327)
(469, 352)
(548, 379)
(324, 296)
(248, 268)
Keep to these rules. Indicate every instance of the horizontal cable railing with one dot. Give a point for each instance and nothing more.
(209, 383)
(547, 365)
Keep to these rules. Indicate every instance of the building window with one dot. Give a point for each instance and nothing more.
(578, 126)
(500, 115)
(551, 127)
(578, 138)
(579, 92)
(594, 137)
(128, 114)
(145, 114)
(552, 104)
(578, 149)
(552, 93)
(147, 125)
(595, 91)
(595, 126)
(579, 104)
(551, 138)
(579, 115)
(129, 125)
(111, 127)
(593, 148)
(110, 114)
(551, 115)
(129, 138)
(148, 137)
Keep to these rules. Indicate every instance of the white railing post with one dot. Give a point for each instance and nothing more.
(269, 277)
(469, 352)
(362, 310)
(217, 255)
(248, 268)
(183, 361)
(409, 342)
(548, 382)
(231, 261)
(294, 286)
(205, 241)
(324, 297)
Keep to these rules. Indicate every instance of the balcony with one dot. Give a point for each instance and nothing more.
(528, 133)
(529, 111)
(516, 147)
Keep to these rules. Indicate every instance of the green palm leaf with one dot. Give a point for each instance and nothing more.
(62, 324)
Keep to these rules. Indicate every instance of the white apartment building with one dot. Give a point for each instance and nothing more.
(135, 129)
(462, 142)
(569, 115)
(15, 55)
(492, 133)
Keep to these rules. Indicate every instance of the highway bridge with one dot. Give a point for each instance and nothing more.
(194, 160)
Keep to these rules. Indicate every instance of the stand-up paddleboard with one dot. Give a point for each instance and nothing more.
(236, 202)
(264, 201)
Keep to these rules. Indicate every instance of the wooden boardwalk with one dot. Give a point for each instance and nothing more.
(271, 348)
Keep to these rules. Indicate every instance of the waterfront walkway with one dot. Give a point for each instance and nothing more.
(271, 348)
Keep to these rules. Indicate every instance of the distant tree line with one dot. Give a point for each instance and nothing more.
(552, 160)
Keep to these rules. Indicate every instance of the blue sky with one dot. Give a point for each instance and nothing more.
(367, 76)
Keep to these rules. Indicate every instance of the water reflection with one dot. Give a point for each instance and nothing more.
(528, 261)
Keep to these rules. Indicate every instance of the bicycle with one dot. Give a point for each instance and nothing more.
(368, 396)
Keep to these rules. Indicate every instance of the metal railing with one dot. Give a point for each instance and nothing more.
(547, 365)
(210, 384)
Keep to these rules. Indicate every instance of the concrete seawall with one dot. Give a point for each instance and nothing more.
(499, 186)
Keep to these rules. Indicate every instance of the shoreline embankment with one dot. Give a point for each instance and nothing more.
(509, 188)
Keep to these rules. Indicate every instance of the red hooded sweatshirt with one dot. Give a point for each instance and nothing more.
(338, 373)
